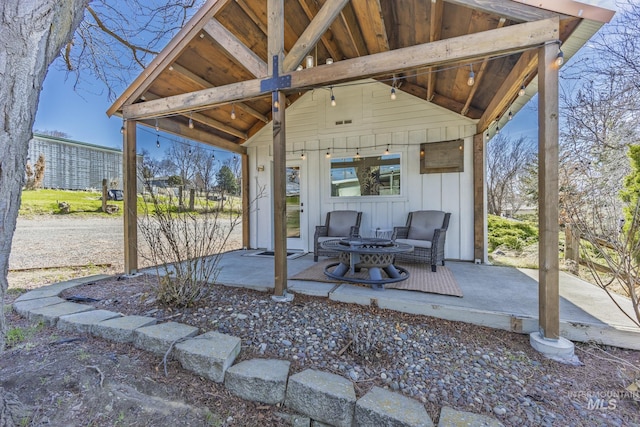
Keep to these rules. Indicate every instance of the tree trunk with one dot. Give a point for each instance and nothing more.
(32, 32)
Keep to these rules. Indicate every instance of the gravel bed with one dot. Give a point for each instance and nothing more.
(434, 361)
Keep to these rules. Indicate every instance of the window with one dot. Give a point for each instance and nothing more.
(366, 176)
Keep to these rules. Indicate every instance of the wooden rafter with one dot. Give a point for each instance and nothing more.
(510, 10)
(205, 84)
(438, 99)
(435, 29)
(355, 37)
(311, 10)
(463, 48)
(254, 18)
(234, 47)
(168, 55)
(504, 95)
(313, 32)
(369, 16)
(479, 76)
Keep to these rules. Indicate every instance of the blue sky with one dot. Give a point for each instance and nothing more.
(82, 115)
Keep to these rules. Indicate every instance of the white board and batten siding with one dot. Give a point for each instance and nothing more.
(376, 121)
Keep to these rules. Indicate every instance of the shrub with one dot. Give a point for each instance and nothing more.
(510, 234)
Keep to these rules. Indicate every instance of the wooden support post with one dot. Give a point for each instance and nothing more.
(192, 199)
(244, 185)
(129, 170)
(549, 298)
(104, 195)
(479, 238)
(279, 196)
(275, 10)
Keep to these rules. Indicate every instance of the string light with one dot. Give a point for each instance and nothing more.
(213, 156)
(522, 90)
(486, 136)
(191, 122)
(157, 127)
(302, 156)
(386, 152)
(122, 130)
(358, 153)
(393, 93)
(233, 112)
(157, 141)
(328, 155)
(560, 58)
(472, 76)
(333, 98)
(510, 115)
(189, 150)
(497, 130)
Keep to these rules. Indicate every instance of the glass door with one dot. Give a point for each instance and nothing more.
(296, 218)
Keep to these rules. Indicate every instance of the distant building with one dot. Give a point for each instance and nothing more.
(74, 165)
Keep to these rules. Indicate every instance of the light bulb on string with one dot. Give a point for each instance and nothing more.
(393, 93)
(510, 116)
(189, 151)
(213, 156)
(157, 141)
(486, 136)
(190, 122)
(333, 98)
(302, 156)
(497, 130)
(233, 112)
(472, 76)
(358, 153)
(157, 127)
(328, 155)
(560, 58)
(522, 90)
(122, 130)
(386, 152)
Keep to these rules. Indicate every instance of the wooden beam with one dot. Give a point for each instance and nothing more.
(246, 203)
(435, 31)
(508, 9)
(168, 55)
(311, 10)
(369, 16)
(198, 117)
(316, 28)
(180, 129)
(514, 38)
(479, 208)
(275, 10)
(479, 77)
(205, 84)
(548, 250)
(130, 202)
(238, 50)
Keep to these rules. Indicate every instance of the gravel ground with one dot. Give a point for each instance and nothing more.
(434, 361)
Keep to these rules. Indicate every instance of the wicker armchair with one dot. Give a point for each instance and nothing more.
(426, 231)
(338, 225)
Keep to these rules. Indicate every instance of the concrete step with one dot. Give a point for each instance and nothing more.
(208, 355)
(157, 339)
(83, 322)
(381, 407)
(322, 396)
(259, 380)
(24, 307)
(121, 329)
(50, 314)
(450, 417)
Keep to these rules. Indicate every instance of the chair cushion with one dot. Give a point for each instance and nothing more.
(416, 243)
(424, 223)
(324, 239)
(340, 223)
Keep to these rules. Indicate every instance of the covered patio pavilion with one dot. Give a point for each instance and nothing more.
(237, 66)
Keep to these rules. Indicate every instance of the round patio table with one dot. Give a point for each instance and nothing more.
(376, 255)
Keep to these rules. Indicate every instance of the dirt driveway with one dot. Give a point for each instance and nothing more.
(55, 248)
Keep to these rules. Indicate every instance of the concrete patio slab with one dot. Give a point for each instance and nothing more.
(121, 329)
(316, 289)
(51, 313)
(83, 322)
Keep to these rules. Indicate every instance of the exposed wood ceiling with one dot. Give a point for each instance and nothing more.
(226, 44)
